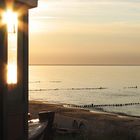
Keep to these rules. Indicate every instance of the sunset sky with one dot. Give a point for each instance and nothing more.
(85, 32)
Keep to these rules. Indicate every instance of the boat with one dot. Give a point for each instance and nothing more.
(41, 128)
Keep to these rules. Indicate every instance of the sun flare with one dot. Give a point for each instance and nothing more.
(12, 74)
(10, 18)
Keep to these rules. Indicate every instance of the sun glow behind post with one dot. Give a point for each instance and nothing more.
(10, 18)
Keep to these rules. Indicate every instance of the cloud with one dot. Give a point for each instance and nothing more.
(88, 10)
(43, 17)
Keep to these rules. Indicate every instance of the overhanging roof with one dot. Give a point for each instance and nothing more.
(29, 3)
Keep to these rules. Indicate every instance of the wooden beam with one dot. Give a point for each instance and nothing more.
(29, 3)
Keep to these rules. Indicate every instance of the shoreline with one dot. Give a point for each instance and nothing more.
(96, 125)
(81, 107)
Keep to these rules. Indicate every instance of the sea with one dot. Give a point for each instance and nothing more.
(110, 88)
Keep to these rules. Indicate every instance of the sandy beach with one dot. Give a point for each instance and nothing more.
(95, 125)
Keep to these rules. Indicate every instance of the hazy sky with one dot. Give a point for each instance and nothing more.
(85, 32)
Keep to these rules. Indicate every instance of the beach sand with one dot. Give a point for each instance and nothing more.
(94, 125)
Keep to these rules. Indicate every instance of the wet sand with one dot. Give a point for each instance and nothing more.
(95, 125)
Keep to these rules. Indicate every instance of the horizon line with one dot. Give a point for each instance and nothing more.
(84, 64)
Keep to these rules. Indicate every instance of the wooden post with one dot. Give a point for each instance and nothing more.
(3, 62)
(14, 97)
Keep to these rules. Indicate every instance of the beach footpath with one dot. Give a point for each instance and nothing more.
(80, 124)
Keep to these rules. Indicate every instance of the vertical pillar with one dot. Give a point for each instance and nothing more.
(14, 97)
(3, 69)
(25, 73)
(23, 67)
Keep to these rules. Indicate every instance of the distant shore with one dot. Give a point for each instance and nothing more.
(98, 125)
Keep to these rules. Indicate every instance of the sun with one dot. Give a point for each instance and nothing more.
(10, 18)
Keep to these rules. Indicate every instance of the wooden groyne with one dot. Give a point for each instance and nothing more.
(103, 105)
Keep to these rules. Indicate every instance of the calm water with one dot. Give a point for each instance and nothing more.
(81, 85)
